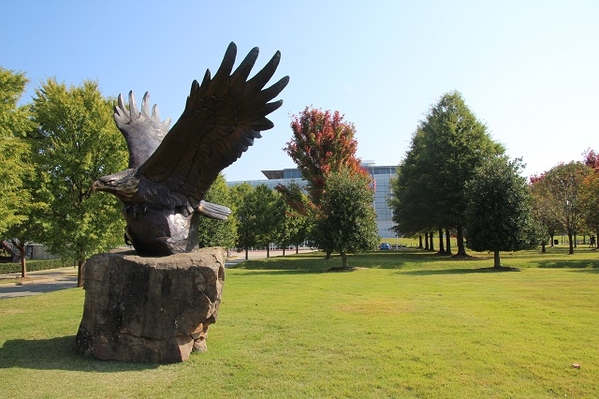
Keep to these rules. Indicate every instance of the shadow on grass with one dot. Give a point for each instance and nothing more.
(58, 354)
(584, 264)
(315, 263)
(462, 271)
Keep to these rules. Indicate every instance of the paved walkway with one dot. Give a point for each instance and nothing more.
(42, 281)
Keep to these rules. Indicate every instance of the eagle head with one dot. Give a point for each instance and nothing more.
(122, 185)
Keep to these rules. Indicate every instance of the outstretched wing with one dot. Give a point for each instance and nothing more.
(222, 117)
(142, 131)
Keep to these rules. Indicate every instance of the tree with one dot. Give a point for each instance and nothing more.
(16, 169)
(260, 216)
(348, 223)
(561, 188)
(543, 214)
(498, 215)
(446, 149)
(14, 151)
(218, 233)
(322, 143)
(589, 194)
(244, 214)
(299, 214)
(76, 141)
(413, 209)
(269, 212)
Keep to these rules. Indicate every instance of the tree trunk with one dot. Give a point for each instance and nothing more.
(246, 253)
(268, 251)
(496, 260)
(441, 246)
(597, 238)
(543, 250)
(461, 246)
(571, 242)
(344, 260)
(431, 237)
(23, 261)
(80, 269)
(21, 247)
(296, 249)
(420, 242)
(447, 242)
(552, 239)
(284, 248)
(426, 241)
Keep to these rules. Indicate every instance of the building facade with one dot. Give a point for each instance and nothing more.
(381, 175)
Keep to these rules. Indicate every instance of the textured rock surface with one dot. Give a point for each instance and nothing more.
(153, 310)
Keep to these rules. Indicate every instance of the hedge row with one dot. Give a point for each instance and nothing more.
(34, 265)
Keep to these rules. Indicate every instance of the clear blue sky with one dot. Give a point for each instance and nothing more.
(528, 69)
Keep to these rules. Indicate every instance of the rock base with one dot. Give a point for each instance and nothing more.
(153, 310)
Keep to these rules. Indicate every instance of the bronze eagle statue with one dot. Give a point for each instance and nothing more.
(170, 171)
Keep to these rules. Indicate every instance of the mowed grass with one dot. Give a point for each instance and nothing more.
(405, 324)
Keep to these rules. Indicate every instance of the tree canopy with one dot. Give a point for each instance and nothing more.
(448, 146)
(560, 195)
(322, 143)
(499, 216)
(76, 141)
(218, 233)
(15, 165)
(348, 221)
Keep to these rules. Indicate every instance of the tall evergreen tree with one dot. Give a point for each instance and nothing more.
(446, 149)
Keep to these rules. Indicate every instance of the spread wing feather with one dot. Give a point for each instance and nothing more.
(222, 117)
(142, 131)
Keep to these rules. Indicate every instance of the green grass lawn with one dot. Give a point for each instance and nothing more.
(405, 324)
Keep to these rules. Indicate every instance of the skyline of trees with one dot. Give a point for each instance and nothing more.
(445, 148)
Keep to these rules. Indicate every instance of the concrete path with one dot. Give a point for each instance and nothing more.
(42, 281)
(37, 282)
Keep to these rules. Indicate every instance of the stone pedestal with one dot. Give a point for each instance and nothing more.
(154, 310)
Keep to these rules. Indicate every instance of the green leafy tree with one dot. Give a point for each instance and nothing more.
(561, 187)
(245, 215)
(589, 194)
(447, 147)
(543, 211)
(16, 168)
(269, 208)
(348, 223)
(413, 208)
(76, 141)
(218, 233)
(499, 215)
(260, 213)
(14, 151)
(299, 216)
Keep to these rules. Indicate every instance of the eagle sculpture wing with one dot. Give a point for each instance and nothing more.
(142, 131)
(222, 117)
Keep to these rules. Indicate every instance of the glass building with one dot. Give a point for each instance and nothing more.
(381, 175)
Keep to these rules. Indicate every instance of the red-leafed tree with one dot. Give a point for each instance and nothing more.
(322, 143)
(591, 159)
